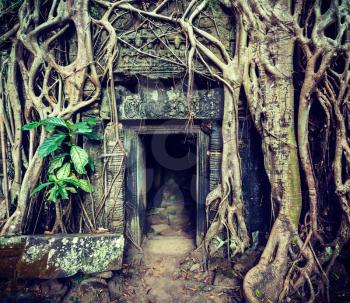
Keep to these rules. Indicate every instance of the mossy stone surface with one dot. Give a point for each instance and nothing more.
(50, 257)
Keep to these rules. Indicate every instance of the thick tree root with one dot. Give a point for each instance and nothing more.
(265, 281)
(227, 217)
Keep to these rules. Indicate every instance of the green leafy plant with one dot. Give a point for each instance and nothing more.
(329, 251)
(220, 242)
(258, 293)
(334, 276)
(69, 162)
(294, 241)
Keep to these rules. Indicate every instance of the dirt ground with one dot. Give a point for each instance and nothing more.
(160, 272)
(163, 273)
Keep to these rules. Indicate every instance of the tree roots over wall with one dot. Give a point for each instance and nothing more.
(287, 56)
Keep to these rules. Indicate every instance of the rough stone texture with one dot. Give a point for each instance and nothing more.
(22, 297)
(50, 257)
(114, 178)
(131, 62)
(160, 228)
(47, 287)
(155, 102)
(89, 291)
(93, 148)
(53, 289)
(104, 275)
(115, 287)
(107, 166)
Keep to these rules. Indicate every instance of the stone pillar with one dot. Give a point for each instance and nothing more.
(114, 161)
(215, 156)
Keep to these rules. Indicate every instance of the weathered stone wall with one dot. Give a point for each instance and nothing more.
(107, 200)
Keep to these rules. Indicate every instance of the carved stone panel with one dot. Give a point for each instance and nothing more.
(158, 49)
(169, 103)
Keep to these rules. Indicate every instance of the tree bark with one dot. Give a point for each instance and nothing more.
(265, 280)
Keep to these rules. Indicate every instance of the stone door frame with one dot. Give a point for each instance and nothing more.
(134, 162)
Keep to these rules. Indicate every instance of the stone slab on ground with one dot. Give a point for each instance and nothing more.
(58, 256)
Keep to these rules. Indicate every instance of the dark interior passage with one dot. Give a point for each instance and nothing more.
(170, 184)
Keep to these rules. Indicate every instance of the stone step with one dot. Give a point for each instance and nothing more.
(160, 228)
(169, 245)
(179, 219)
(165, 218)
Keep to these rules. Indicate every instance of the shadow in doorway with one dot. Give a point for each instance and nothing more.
(171, 165)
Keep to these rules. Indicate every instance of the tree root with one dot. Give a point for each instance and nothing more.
(58, 225)
(265, 281)
(229, 217)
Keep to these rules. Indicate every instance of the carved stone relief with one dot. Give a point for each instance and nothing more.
(152, 102)
(159, 50)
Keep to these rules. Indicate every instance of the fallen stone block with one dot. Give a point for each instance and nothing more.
(58, 256)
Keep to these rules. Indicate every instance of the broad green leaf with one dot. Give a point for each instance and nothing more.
(53, 194)
(80, 183)
(52, 122)
(84, 128)
(72, 181)
(220, 242)
(49, 127)
(56, 162)
(329, 251)
(64, 171)
(91, 121)
(40, 187)
(233, 244)
(71, 189)
(83, 131)
(85, 185)
(52, 178)
(63, 193)
(79, 158)
(81, 127)
(60, 182)
(31, 125)
(51, 144)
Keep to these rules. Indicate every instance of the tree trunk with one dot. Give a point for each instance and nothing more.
(265, 280)
(14, 223)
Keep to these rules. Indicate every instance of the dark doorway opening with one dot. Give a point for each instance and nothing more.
(171, 184)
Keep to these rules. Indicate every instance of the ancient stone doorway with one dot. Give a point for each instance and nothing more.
(167, 173)
(171, 189)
